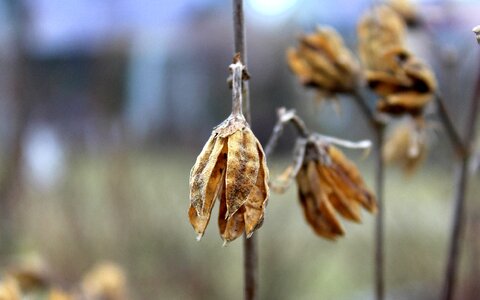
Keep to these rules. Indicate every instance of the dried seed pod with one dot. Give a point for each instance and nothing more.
(405, 84)
(322, 61)
(379, 30)
(231, 168)
(328, 183)
(406, 145)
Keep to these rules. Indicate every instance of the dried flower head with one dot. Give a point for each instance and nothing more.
(404, 83)
(328, 183)
(407, 145)
(9, 289)
(231, 168)
(105, 281)
(379, 31)
(321, 60)
(476, 30)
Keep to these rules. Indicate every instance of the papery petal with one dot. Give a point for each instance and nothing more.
(258, 197)
(242, 169)
(201, 187)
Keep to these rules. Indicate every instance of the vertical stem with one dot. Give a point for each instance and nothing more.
(378, 128)
(250, 255)
(379, 223)
(461, 178)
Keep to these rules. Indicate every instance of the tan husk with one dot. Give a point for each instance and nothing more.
(404, 83)
(328, 183)
(322, 61)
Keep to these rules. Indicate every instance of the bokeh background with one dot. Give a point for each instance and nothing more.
(105, 105)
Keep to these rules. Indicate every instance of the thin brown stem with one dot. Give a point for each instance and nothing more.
(250, 255)
(378, 129)
(237, 71)
(379, 224)
(461, 181)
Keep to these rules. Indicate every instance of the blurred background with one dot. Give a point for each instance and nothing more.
(106, 104)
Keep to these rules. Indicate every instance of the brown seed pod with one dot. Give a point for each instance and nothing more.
(328, 183)
(404, 83)
(379, 30)
(406, 145)
(322, 61)
(231, 168)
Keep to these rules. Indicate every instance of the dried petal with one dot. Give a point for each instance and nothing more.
(242, 169)
(348, 208)
(232, 227)
(349, 180)
(258, 197)
(202, 171)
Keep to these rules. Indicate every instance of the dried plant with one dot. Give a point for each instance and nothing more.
(328, 183)
(232, 168)
(407, 144)
(405, 84)
(105, 281)
(321, 60)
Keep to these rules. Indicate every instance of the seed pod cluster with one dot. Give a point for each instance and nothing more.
(322, 61)
(231, 169)
(328, 184)
(404, 83)
(407, 145)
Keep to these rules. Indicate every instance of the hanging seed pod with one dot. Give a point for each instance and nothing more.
(322, 61)
(407, 145)
(231, 168)
(328, 183)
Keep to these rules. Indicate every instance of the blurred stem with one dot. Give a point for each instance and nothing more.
(250, 254)
(378, 127)
(461, 183)
(447, 122)
(10, 182)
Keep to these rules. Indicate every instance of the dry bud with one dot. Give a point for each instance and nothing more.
(321, 60)
(231, 168)
(407, 145)
(328, 184)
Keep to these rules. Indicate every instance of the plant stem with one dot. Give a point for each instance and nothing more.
(250, 250)
(379, 224)
(461, 181)
(378, 129)
(452, 133)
